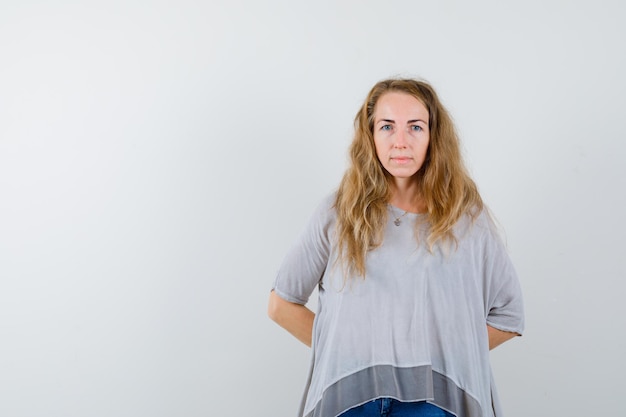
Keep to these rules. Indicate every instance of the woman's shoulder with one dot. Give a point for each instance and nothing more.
(329, 200)
(487, 230)
(478, 222)
(325, 212)
(484, 218)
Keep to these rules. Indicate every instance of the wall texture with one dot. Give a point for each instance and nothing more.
(157, 159)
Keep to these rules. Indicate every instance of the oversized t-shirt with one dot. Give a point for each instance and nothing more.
(414, 328)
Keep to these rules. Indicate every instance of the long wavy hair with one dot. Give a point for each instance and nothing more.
(364, 192)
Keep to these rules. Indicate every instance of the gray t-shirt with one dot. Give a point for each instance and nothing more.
(415, 328)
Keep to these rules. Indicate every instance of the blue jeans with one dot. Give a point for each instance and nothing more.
(388, 407)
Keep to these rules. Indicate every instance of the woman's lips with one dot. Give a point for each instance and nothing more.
(401, 160)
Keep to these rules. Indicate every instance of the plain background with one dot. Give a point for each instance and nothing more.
(157, 158)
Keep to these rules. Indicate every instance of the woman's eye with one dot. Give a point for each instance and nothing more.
(385, 127)
(416, 128)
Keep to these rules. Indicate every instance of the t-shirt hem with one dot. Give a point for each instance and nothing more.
(288, 297)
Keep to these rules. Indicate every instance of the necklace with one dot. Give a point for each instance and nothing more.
(397, 220)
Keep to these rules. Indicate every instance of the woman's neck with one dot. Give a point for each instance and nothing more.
(405, 195)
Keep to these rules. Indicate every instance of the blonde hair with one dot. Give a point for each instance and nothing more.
(364, 192)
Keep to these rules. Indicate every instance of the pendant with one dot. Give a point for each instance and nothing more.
(396, 222)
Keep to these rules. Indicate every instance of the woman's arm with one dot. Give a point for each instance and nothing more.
(497, 337)
(295, 318)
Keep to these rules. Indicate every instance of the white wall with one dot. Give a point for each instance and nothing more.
(157, 159)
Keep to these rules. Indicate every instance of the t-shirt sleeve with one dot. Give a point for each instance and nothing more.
(307, 259)
(503, 294)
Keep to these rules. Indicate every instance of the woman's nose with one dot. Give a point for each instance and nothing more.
(400, 140)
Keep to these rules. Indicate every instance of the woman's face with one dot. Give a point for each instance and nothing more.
(401, 133)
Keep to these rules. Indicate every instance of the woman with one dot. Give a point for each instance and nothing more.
(415, 286)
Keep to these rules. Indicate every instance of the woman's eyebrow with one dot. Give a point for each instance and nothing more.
(408, 121)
